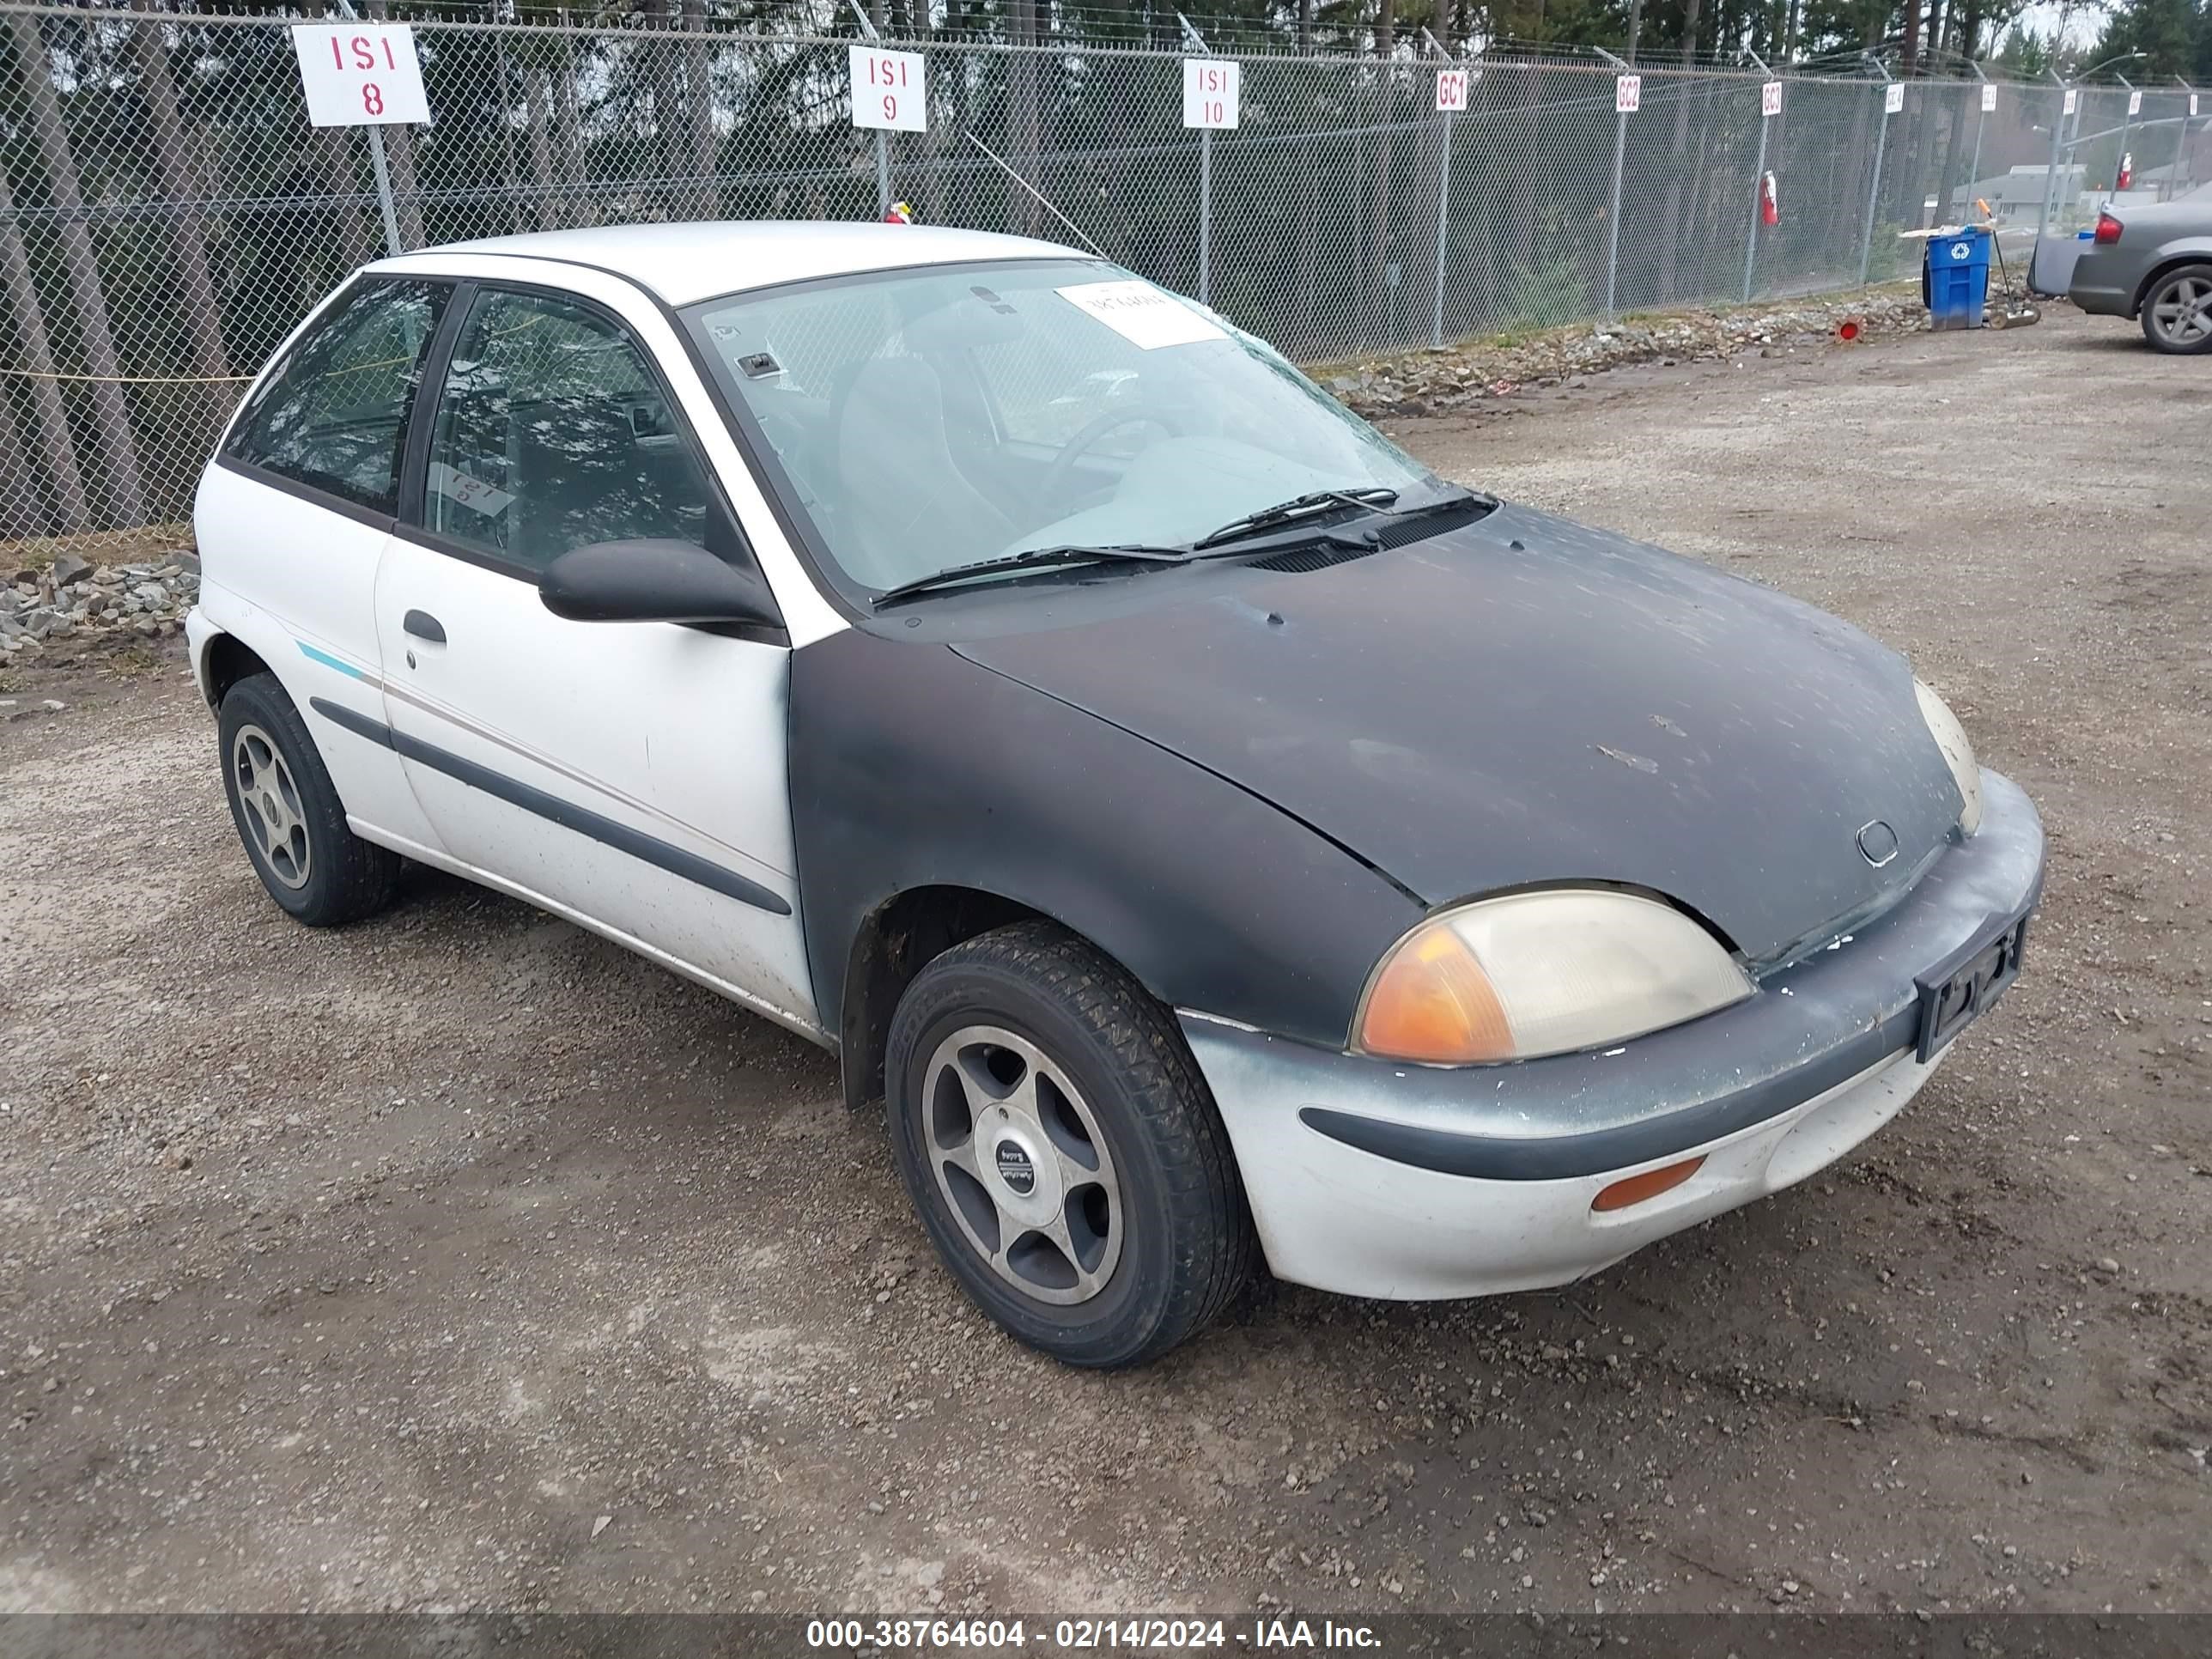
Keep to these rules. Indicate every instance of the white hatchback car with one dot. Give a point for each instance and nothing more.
(1209, 830)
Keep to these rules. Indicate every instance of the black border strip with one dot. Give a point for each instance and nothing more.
(1563, 1158)
(569, 816)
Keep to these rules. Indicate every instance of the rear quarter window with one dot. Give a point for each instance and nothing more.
(333, 416)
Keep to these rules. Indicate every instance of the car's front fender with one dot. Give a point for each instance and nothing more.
(911, 767)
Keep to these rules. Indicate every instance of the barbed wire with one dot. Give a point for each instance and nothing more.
(1274, 34)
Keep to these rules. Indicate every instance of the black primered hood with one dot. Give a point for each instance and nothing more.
(1531, 701)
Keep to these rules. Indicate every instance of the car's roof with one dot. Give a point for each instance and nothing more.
(684, 263)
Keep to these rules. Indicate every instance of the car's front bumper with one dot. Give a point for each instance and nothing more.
(1392, 1180)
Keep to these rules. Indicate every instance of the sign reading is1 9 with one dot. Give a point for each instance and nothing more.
(889, 90)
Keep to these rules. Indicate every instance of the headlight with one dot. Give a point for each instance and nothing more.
(1534, 974)
(1951, 737)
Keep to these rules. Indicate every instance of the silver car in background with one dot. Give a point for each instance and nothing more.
(2155, 262)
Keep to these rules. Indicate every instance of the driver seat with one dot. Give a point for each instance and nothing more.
(912, 509)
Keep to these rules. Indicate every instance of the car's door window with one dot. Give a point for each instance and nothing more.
(334, 415)
(553, 433)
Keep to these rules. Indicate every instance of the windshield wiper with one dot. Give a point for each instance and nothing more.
(1298, 506)
(1280, 522)
(1035, 558)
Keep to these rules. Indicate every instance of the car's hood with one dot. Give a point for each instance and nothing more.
(1529, 701)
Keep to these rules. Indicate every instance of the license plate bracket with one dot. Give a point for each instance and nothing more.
(1966, 985)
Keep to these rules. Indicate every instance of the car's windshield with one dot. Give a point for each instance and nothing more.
(937, 417)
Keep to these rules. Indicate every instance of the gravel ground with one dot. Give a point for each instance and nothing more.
(460, 1259)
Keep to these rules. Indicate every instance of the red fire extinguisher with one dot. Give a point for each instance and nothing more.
(2127, 171)
(1769, 206)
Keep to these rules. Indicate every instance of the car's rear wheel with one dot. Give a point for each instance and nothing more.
(288, 814)
(2177, 313)
(1063, 1150)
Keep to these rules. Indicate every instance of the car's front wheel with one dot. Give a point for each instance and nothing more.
(1063, 1150)
(2177, 313)
(288, 814)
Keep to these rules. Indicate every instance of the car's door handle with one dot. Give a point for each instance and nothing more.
(424, 626)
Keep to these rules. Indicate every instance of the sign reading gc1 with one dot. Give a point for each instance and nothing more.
(889, 91)
(360, 75)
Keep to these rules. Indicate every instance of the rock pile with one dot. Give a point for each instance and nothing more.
(73, 598)
(1432, 382)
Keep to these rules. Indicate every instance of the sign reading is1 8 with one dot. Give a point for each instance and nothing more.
(360, 75)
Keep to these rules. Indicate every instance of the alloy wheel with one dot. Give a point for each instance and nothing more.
(2182, 313)
(1021, 1162)
(273, 813)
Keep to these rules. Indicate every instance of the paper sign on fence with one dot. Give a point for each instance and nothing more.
(1143, 315)
(1451, 88)
(1770, 99)
(360, 75)
(889, 91)
(1892, 98)
(1209, 86)
(1988, 98)
(1627, 94)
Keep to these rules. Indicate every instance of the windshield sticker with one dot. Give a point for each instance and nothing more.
(1143, 315)
(456, 486)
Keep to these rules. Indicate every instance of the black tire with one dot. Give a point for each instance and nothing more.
(325, 876)
(1185, 1245)
(2162, 291)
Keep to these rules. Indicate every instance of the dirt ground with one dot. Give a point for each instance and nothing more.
(462, 1260)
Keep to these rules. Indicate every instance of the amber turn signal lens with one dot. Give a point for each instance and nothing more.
(1432, 1002)
(1650, 1184)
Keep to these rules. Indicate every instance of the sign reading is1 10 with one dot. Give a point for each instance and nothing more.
(1210, 90)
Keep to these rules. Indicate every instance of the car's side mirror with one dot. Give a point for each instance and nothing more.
(654, 581)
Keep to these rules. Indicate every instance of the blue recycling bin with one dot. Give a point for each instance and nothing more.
(1956, 279)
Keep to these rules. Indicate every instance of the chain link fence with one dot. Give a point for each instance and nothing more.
(167, 212)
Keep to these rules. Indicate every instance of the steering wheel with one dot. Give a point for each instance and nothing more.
(1056, 476)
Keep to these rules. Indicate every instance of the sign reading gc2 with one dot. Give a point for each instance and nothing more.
(360, 75)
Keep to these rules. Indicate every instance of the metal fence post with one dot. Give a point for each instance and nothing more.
(882, 148)
(2050, 172)
(1443, 211)
(1758, 183)
(392, 245)
(1205, 216)
(1619, 154)
(1981, 120)
(1205, 179)
(383, 172)
(2180, 144)
(1874, 190)
(2127, 125)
